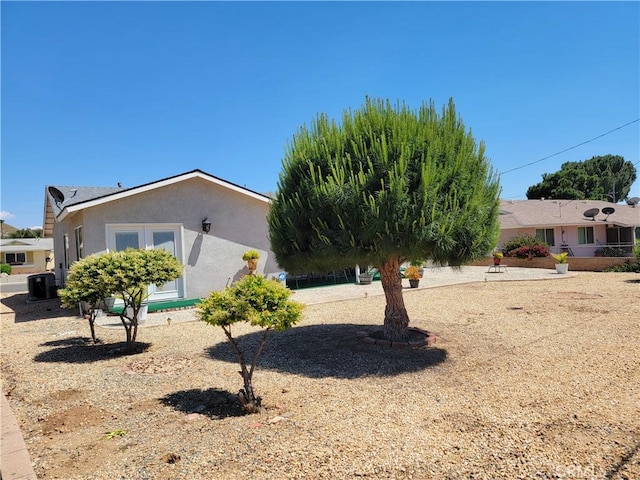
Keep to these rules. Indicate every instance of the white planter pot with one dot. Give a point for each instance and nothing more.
(142, 313)
(562, 267)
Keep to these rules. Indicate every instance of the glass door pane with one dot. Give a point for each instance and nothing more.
(126, 240)
(165, 239)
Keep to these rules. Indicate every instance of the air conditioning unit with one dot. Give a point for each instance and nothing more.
(42, 286)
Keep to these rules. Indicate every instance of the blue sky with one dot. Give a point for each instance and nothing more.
(96, 93)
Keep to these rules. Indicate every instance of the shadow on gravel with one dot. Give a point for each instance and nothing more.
(623, 462)
(635, 280)
(65, 342)
(83, 350)
(34, 310)
(212, 402)
(335, 351)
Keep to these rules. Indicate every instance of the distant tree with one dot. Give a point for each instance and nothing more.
(386, 186)
(608, 177)
(26, 233)
(263, 303)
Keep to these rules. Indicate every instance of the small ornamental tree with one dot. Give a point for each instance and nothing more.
(128, 274)
(384, 185)
(261, 302)
(86, 285)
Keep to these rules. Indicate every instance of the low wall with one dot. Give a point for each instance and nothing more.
(577, 264)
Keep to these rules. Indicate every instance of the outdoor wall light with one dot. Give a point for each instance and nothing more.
(206, 225)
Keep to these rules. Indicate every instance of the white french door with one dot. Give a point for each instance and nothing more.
(167, 236)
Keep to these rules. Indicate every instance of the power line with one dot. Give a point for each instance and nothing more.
(571, 148)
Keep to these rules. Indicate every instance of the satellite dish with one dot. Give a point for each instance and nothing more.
(633, 201)
(591, 213)
(57, 195)
(608, 211)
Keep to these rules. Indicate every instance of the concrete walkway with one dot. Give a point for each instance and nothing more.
(14, 457)
(433, 277)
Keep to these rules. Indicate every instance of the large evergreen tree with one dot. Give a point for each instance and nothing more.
(386, 185)
(607, 177)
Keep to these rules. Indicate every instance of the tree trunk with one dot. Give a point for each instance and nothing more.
(396, 319)
(127, 329)
(135, 329)
(246, 396)
(92, 325)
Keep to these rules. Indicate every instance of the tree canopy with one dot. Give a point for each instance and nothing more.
(607, 177)
(385, 186)
(25, 233)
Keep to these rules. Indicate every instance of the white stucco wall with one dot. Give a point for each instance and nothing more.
(211, 260)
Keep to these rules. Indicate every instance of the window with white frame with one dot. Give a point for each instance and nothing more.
(546, 235)
(65, 239)
(79, 243)
(15, 258)
(585, 236)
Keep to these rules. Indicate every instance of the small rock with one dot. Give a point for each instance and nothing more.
(276, 419)
(170, 458)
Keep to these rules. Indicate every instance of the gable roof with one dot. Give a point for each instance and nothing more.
(550, 213)
(78, 198)
(26, 244)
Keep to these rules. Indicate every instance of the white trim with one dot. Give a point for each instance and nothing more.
(152, 186)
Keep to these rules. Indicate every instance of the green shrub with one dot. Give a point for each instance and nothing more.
(636, 250)
(250, 255)
(5, 268)
(628, 266)
(610, 252)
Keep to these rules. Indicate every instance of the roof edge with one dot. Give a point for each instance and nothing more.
(197, 173)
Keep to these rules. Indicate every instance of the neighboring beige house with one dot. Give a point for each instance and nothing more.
(172, 213)
(27, 255)
(579, 226)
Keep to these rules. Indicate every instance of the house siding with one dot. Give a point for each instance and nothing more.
(212, 260)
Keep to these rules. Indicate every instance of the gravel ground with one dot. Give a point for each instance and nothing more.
(534, 379)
